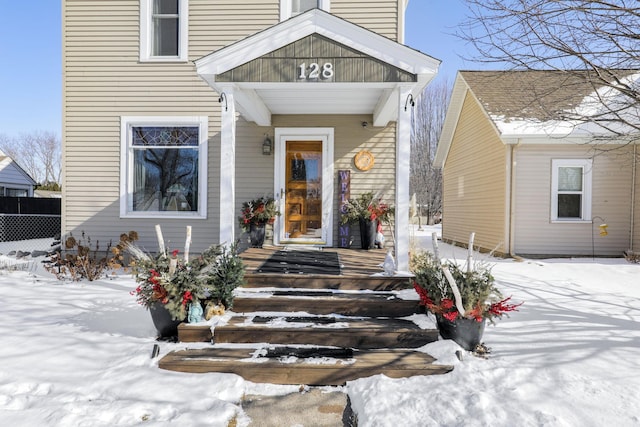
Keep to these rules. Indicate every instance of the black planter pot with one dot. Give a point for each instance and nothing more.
(467, 333)
(256, 235)
(165, 325)
(368, 233)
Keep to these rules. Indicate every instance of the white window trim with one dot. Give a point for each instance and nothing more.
(587, 172)
(126, 164)
(26, 187)
(146, 8)
(285, 8)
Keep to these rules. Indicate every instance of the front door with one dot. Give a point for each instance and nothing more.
(304, 183)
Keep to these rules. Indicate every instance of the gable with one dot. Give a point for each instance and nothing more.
(12, 173)
(291, 63)
(348, 70)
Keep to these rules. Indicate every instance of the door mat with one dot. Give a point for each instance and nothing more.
(302, 262)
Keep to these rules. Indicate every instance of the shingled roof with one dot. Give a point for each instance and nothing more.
(537, 95)
(532, 103)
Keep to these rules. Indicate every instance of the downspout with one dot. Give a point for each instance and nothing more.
(511, 194)
(633, 194)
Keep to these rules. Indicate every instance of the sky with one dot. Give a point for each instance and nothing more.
(31, 57)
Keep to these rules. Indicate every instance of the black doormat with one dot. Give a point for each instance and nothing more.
(302, 262)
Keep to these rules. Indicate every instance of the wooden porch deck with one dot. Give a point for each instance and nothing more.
(355, 262)
(360, 270)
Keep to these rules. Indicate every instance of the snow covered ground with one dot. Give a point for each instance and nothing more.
(78, 354)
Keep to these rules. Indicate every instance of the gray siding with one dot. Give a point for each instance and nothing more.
(534, 231)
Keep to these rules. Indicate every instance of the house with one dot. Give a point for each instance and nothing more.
(530, 183)
(14, 181)
(176, 112)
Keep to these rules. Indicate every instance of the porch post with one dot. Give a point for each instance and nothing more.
(227, 167)
(403, 153)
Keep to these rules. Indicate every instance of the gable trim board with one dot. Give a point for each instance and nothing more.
(256, 101)
(610, 195)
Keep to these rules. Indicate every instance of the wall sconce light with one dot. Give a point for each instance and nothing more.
(409, 101)
(223, 97)
(266, 146)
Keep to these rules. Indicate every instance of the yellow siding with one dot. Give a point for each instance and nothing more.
(103, 80)
(380, 16)
(474, 182)
(611, 180)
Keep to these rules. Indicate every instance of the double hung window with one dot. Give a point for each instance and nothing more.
(163, 30)
(301, 6)
(571, 190)
(289, 8)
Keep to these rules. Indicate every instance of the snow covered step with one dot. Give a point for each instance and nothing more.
(312, 368)
(331, 331)
(368, 304)
(372, 283)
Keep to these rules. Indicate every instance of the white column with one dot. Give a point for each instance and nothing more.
(403, 153)
(227, 168)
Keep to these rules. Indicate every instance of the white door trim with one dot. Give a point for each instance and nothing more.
(326, 135)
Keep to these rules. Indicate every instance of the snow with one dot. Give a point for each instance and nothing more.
(79, 354)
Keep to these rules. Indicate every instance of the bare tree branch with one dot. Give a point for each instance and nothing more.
(38, 153)
(597, 41)
(428, 119)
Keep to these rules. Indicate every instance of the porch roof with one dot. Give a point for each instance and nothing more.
(258, 100)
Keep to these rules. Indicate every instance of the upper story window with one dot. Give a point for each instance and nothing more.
(289, 8)
(571, 190)
(163, 30)
(163, 166)
(300, 6)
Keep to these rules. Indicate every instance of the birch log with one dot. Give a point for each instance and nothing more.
(472, 237)
(160, 240)
(454, 288)
(434, 243)
(187, 244)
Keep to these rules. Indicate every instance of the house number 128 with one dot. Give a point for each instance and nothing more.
(326, 72)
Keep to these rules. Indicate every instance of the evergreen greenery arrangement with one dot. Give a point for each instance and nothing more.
(259, 211)
(367, 206)
(473, 294)
(176, 283)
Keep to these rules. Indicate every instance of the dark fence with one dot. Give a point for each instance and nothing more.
(26, 218)
(30, 205)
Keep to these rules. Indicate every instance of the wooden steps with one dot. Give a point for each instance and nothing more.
(341, 332)
(314, 370)
(355, 317)
(371, 283)
(347, 304)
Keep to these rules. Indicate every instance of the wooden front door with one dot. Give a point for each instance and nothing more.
(302, 216)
